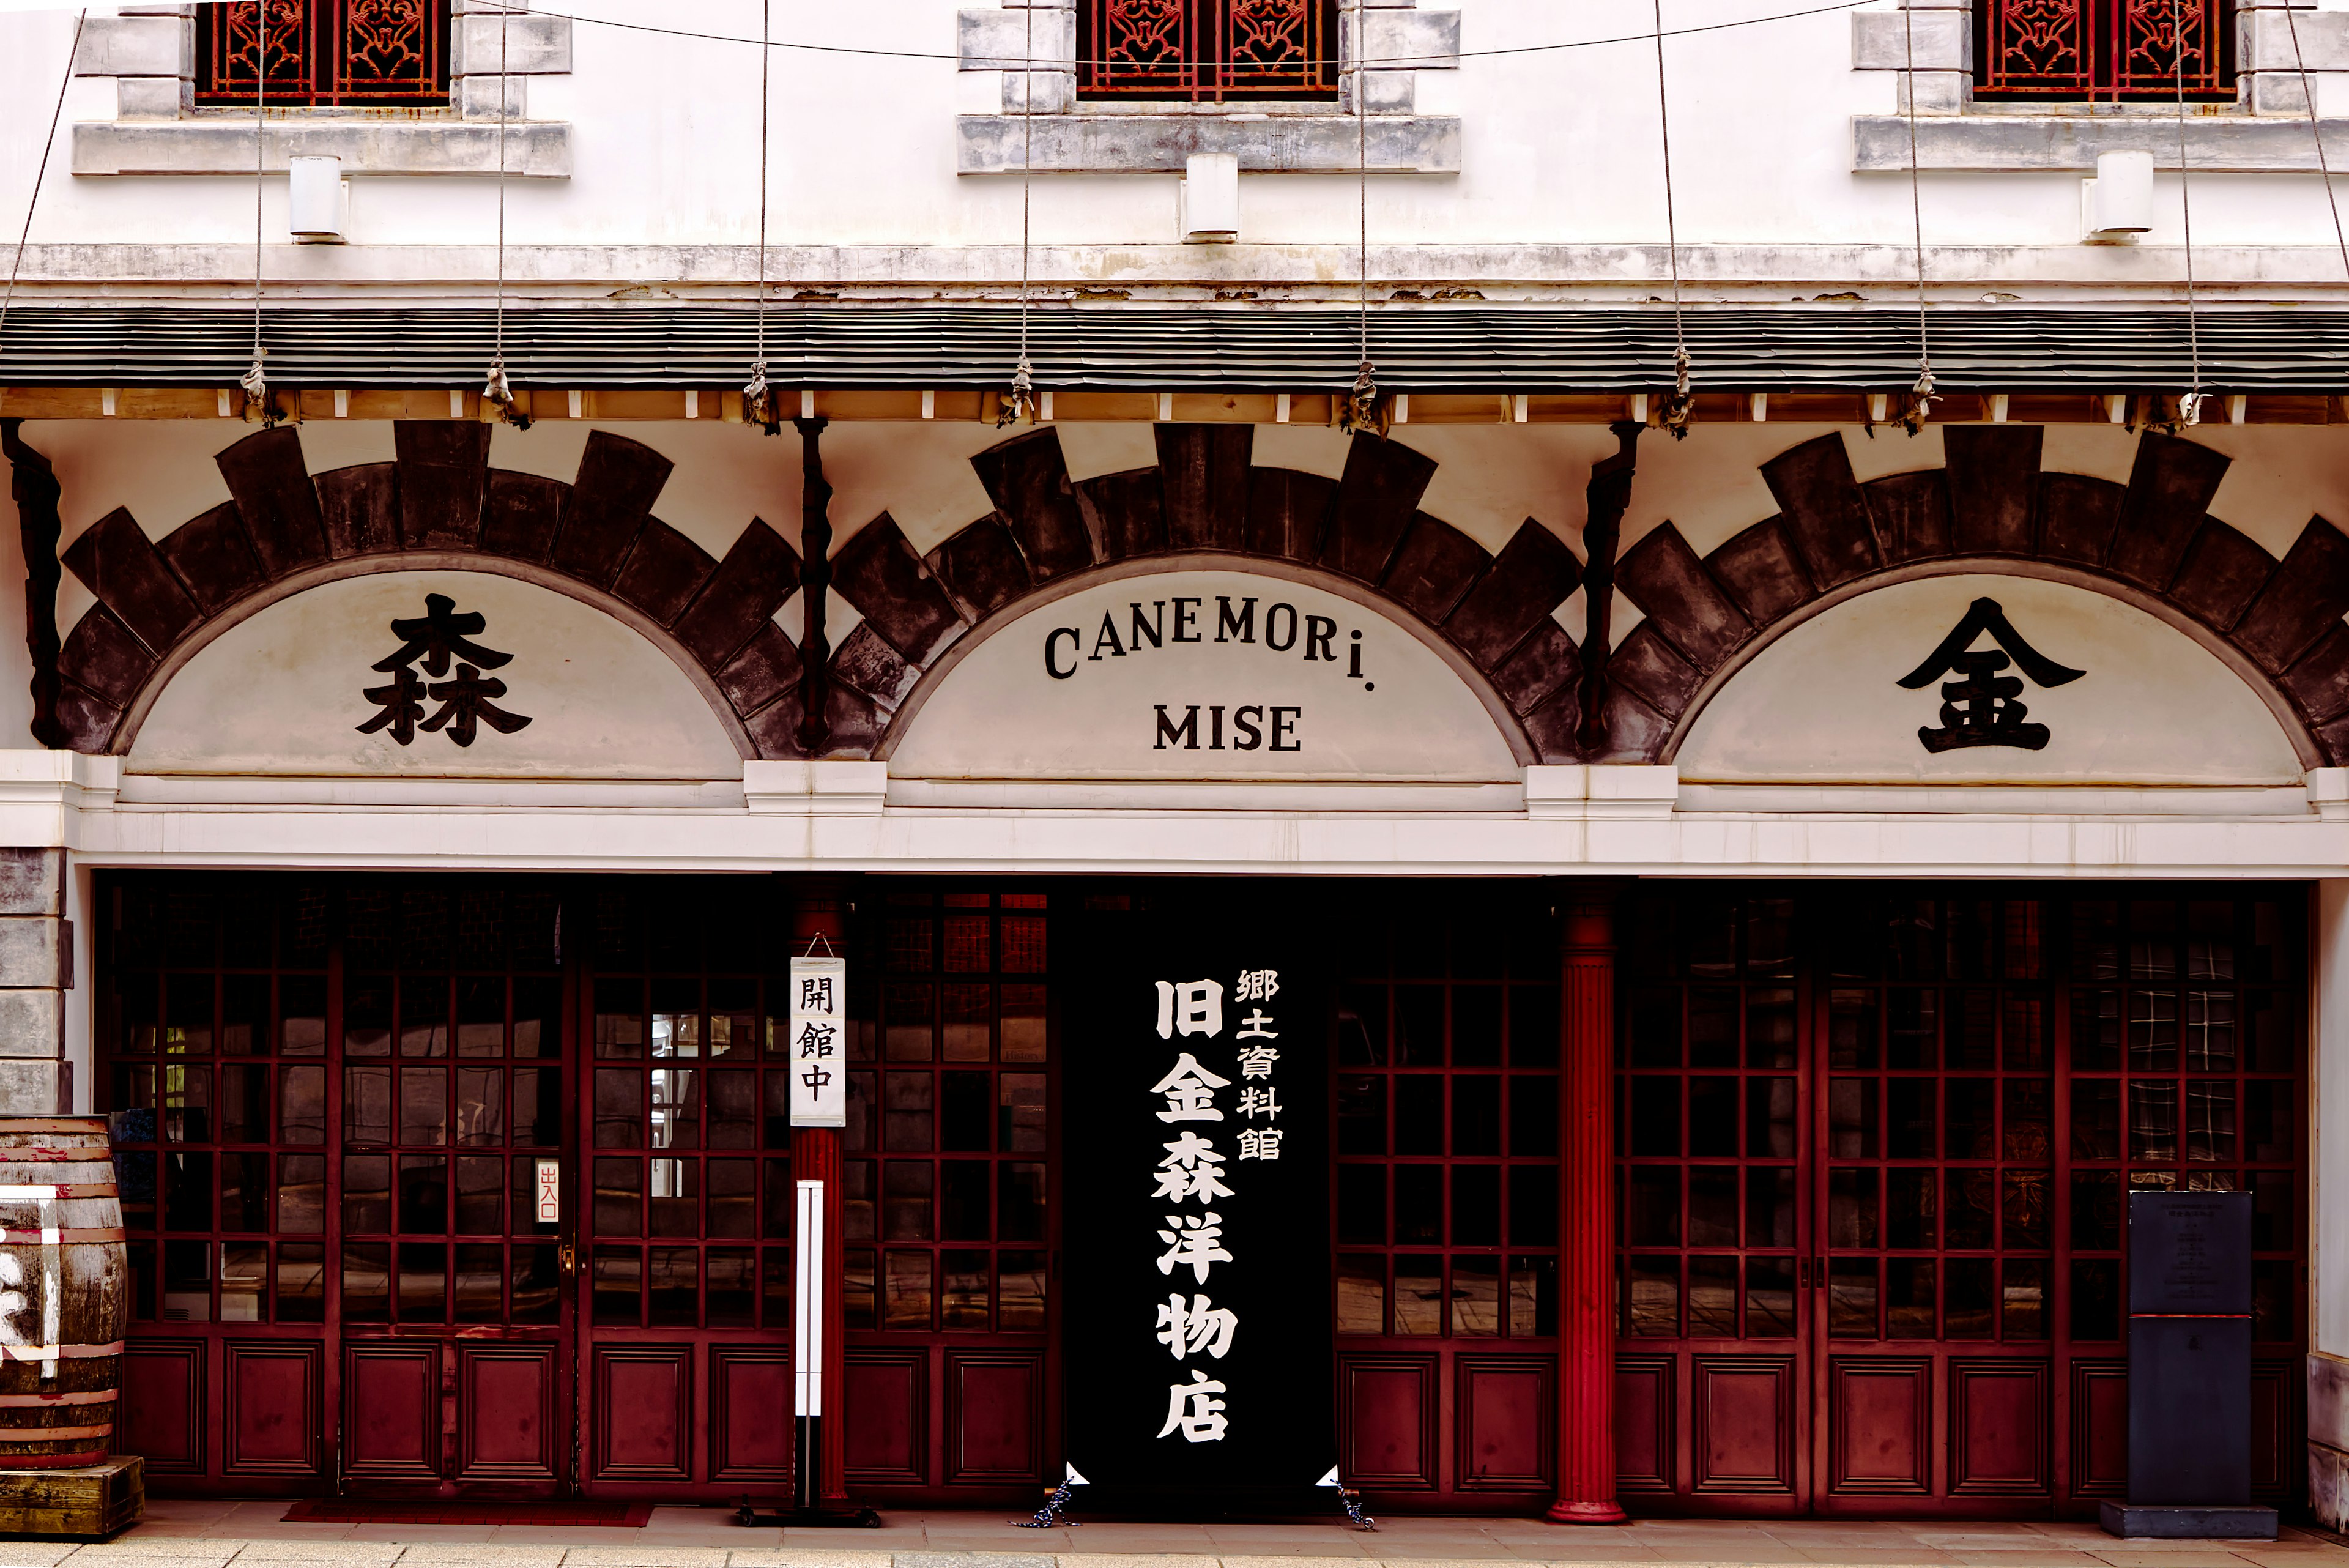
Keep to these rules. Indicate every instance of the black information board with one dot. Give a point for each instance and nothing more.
(1196, 1240)
(2190, 1270)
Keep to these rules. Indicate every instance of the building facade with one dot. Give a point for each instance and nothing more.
(1783, 697)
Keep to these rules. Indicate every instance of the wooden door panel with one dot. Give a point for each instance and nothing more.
(644, 1412)
(1879, 1426)
(2276, 1445)
(1744, 1423)
(995, 1418)
(163, 1405)
(2100, 1429)
(1502, 1422)
(887, 1409)
(1999, 1429)
(391, 1411)
(1645, 1405)
(506, 1422)
(272, 1408)
(1387, 1410)
(751, 1428)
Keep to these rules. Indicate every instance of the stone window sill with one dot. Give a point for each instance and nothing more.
(1268, 141)
(2044, 142)
(539, 150)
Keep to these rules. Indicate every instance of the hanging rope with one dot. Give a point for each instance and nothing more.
(757, 400)
(498, 391)
(1922, 404)
(73, 51)
(1676, 410)
(255, 384)
(1361, 411)
(1023, 375)
(2316, 129)
(2189, 407)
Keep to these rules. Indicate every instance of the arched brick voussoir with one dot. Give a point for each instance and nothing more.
(1823, 510)
(270, 485)
(2221, 573)
(124, 571)
(867, 664)
(878, 572)
(1662, 576)
(1126, 511)
(443, 469)
(2308, 594)
(101, 655)
(1027, 477)
(1378, 494)
(663, 572)
(2169, 490)
(360, 506)
(1531, 577)
(1993, 490)
(1434, 569)
(1205, 475)
(1761, 570)
(611, 501)
(981, 569)
(1288, 513)
(1647, 666)
(1911, 512)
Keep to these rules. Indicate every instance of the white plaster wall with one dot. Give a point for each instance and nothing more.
(1558, 145)
(280, 693)
(1823, 701)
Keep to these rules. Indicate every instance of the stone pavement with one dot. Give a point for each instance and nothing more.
(199, 1534)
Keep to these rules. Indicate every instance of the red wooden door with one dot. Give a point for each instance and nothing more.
(947, 1198)
(447, 1022)
(683, 1126)
(1874, 1149)
(329, 1099)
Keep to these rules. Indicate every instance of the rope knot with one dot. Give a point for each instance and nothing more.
(499, 391)
(1022, 402)
(1681, 403)
(256, 391)
(759, 399)
(1362, 411)
(1921, 401)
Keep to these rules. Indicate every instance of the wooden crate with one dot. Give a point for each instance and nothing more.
(89, 1503)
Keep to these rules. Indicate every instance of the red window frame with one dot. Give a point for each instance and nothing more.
(324, 53)
(2102, 51)
(1207, 50)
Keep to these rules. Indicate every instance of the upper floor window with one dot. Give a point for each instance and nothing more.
(1206, 50)
(2102, 51)
(324, 53)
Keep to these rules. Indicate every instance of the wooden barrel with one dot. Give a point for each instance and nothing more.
(65, 1293)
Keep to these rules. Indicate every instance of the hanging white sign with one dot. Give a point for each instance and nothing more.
(550, 1192)
(819, 1027)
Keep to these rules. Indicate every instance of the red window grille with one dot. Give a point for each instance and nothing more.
(1207, 50)
(324, 53)
(2103, 51)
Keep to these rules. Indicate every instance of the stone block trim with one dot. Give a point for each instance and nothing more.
(594, 537)
(2150, 543)
(37, 947)
(1206, 498)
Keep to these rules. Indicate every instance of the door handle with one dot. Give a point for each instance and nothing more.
(569, 1258)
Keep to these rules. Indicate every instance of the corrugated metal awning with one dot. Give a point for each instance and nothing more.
(1434, 349)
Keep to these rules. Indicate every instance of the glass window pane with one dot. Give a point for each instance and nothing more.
(1532, 1296)
(675, 1281)
(481, 1019)
(906, 1290)
(538, 1107)
(480, 1280)
(962, 1305)
(423, 1105)
(1362, 1293)
(618, 1286)
(1712, 1297)
(676, 1196)
(908, 1112)
(245, 1281)
(1909, 1298)
(1769, 1298)
(1851, 1298)
(367, 1193)
(423, 1193)
(732, 1287)
(1651, 1306)
(1020, 1292)
(301, 1194)
(1020, 1202)
(538, 1284)
(2024, 1299)
(480, 1194)
(367, 1281)
(906, 1190)
(620, 1107)
(1418, 1295)
(1966, 1298)
(301, 1282)
(481, 1105)
(1475, 1296)
(619, 1192)
(423, 1282)
(734, 1197)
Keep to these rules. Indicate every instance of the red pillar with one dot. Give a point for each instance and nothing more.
(1586, 1319)
(821, 908)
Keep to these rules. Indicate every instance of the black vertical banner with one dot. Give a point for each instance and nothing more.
(1195, 1244)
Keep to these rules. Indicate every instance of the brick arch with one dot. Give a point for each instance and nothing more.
(2151, 543)
(1204, 502)
(437, 505)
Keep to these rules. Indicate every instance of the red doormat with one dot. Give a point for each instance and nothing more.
(360, 1511)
